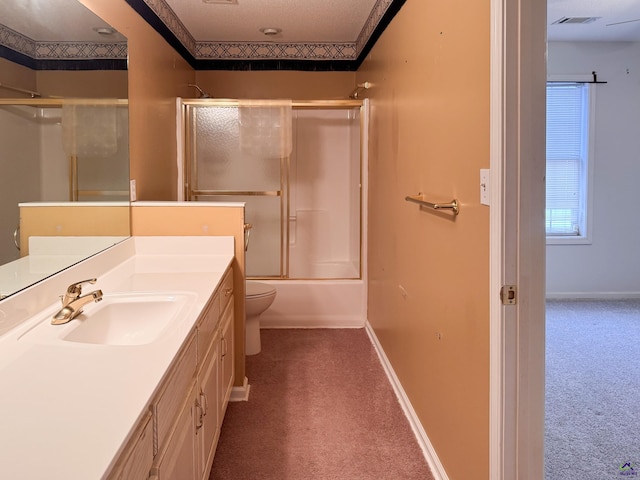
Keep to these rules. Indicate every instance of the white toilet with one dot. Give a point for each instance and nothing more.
(259, 297)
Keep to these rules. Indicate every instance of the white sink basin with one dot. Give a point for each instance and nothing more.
(119, 319)
(127, 319)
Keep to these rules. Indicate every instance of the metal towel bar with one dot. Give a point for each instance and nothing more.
(453, 205)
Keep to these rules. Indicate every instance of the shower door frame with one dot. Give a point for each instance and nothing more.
(191, 194)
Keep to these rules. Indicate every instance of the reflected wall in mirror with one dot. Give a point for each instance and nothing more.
(63, 137)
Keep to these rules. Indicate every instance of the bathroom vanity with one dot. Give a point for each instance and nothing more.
(137, 386)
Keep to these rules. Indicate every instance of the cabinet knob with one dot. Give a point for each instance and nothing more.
(228, 291)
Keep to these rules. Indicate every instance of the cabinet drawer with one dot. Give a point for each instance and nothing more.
(172, 395)
(226, 289)
(208, 326)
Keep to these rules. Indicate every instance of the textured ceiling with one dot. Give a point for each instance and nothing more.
(53, 21)
(609, 11)
(319, 31)
(300, 20)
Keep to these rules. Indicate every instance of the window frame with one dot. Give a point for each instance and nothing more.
(585, 237)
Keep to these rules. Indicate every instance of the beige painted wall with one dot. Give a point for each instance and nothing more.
(83, 84)
(16, 76)
(429, 133)
(69, 221)
(273, 85)
(200, 220)
(157, 74)
(63, 83)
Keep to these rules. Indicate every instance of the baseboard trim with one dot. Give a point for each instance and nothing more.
(430, 455)
(312, 322)
(591, 295)
(240, 394)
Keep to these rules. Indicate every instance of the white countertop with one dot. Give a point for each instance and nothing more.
(66, 409)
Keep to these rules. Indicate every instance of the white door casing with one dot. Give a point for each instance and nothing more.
(518, 76)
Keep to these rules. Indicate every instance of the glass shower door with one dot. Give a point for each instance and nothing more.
(232, 157)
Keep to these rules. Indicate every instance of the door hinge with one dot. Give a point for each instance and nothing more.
(508, 295)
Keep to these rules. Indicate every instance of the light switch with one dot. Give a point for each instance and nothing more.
(485, 186)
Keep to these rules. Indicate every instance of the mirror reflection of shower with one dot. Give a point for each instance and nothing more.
(304, 208)
(43, 162)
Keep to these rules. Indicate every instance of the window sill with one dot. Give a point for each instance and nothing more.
(568, 240)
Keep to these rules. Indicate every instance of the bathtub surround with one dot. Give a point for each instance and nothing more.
(322, 242)
(321, 408)
(317, 304)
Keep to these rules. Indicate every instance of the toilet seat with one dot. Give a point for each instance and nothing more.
(259, 290)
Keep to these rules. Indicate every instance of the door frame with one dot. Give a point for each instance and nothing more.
(517, 249)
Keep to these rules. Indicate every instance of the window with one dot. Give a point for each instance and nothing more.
(567, 179)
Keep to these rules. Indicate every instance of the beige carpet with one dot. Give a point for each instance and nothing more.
(320, 407)
(592, 408)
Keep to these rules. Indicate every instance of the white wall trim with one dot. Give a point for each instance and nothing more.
(591, 295)
(516, 405)
(240, 394)
(430, 455)
(501, 426)
(312, 321)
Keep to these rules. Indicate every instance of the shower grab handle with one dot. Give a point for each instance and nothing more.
(247, 232)
(453, 205)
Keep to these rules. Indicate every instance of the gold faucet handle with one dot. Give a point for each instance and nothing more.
(75, 289)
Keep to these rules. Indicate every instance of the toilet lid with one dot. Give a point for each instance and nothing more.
(259, 289)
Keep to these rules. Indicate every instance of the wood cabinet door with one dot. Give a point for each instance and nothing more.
(207, 430)
(180, 459)
(226, 357)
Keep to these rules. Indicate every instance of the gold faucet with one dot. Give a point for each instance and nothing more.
(72, 302)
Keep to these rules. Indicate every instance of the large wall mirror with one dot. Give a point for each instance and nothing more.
(64, 139)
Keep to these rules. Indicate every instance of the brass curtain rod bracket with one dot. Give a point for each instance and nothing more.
(454, 206)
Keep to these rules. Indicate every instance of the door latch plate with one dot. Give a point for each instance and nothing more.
(508, 295)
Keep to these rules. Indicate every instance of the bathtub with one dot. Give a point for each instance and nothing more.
(317, 304)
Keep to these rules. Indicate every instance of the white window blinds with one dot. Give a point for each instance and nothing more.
(567, 150)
